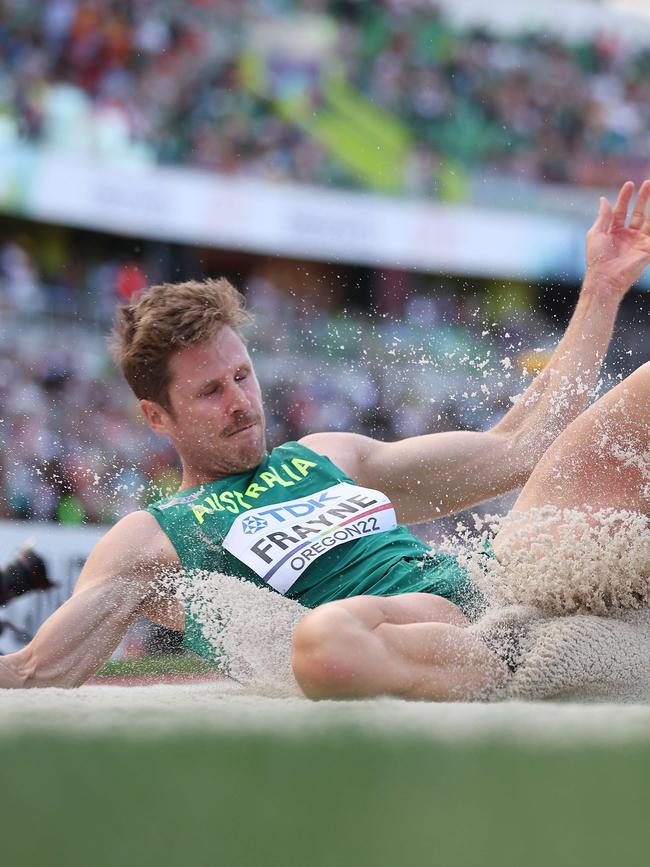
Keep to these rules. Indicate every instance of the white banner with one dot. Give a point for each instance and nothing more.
(64, 550)
(202, 208)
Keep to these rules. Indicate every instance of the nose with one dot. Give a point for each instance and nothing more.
(238, 400)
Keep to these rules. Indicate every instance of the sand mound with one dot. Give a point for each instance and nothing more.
(249, 627)
(556, 570)
(564, 561)
(578, 657)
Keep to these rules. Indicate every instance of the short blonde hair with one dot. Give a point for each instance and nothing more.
(165, 318)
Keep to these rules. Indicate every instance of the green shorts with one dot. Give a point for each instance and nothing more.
(435, 572)
(443, 575)
(451, 580)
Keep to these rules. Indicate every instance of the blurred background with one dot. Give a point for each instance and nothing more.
(401, 188)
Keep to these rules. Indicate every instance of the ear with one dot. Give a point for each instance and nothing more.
(156, 417)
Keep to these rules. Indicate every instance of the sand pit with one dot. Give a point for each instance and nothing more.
(221, 707)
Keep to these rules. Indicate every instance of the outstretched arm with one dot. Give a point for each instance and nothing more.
(75, 641)
(438, 474)
(114, 586)
(617, 255)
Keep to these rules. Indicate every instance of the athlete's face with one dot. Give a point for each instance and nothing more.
(216, 421)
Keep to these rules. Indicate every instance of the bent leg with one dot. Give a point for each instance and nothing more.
(602, 460)
(414, 646)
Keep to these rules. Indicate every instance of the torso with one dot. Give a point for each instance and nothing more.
(285, 525)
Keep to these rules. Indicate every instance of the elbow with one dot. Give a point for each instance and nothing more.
(524, 446)
(521, 453)
(522, 459)
(16, 670)
(26, 673)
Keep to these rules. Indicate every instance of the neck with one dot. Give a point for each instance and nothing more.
(194, 476)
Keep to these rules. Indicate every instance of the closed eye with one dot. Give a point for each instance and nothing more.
(216, 386)
(212, 389)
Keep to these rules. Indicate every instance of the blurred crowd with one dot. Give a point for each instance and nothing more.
(169, 81)
(74, 448)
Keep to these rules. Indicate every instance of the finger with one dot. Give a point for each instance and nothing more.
(604, 219)
(638, 213)
(621, 206)
(645, 228)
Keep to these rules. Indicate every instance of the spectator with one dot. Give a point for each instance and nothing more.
(171, 82)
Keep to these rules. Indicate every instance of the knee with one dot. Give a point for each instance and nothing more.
(325, 645)
(637, 383)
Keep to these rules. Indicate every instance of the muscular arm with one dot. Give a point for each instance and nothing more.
(114, 586)
(438, 474)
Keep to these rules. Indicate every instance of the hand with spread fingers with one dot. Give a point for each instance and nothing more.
(618, 250)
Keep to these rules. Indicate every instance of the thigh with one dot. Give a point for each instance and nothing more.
(403, 609)
(602, 460)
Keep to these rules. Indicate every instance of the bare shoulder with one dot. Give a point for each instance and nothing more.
(136, 547)
(349, 451)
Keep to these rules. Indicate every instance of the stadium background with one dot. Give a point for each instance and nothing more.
(400, 188)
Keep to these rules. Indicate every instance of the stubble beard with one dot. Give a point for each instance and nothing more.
(240, 460)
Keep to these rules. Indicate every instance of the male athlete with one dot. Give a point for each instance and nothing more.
(318, 520)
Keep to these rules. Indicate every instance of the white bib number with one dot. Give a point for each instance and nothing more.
(279, 542)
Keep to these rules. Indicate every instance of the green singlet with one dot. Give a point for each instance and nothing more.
(299, 525)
